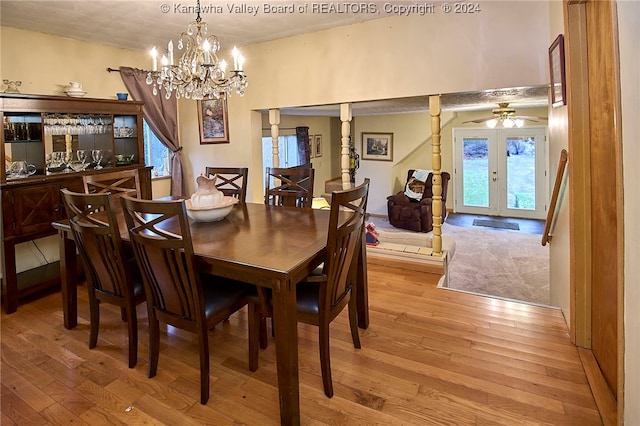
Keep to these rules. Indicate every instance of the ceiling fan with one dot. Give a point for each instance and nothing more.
(507, 117)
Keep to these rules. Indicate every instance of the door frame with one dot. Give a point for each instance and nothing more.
(498, 202)
(586, 85)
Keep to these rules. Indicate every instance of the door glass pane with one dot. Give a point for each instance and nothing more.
(475, 165)
(521, 173)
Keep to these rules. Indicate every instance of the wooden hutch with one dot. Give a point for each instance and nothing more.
(40, 143)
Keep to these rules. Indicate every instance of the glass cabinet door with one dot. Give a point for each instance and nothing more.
(23, 145)
(125, 140)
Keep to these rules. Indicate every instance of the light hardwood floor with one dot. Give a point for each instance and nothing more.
(430, 356)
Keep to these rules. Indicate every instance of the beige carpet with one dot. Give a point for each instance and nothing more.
(500, 263)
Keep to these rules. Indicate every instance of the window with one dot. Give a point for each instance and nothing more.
(287, 151)
(155, 153)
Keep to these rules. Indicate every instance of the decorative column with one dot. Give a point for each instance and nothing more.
(436, 166)
(274, 120)
(345, 117)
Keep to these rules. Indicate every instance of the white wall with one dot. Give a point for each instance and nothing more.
(629, 34)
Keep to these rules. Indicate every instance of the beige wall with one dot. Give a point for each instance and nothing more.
(559, 250)
(385, 58)
(46, 64)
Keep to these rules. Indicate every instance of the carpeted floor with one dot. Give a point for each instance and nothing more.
(501, 263)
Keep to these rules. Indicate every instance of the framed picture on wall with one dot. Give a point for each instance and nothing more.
(317, 146)
(557, 71)
(212, 118)
(377, 146)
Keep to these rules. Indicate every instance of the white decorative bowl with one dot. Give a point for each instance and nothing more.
(208, 213)
(75, 93)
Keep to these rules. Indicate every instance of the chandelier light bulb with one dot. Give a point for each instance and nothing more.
(235, 55)
(492, 123)
(154, 55)
(519, 122)
(508, 123)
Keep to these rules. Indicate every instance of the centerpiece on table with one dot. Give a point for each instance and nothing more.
(208, 203)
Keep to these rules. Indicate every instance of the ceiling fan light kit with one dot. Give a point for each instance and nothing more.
(506, 116)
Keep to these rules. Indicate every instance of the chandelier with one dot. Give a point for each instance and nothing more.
(199, 73)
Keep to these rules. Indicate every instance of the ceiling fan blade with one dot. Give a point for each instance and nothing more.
(531, 117)
(479, 120)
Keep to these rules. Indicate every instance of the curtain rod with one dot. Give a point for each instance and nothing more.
(109, 69)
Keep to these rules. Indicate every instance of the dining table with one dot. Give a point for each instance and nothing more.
(268, 246)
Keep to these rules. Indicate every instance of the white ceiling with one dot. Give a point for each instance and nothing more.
(140, 25)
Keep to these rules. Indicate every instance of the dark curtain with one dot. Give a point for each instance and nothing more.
(304, 148)
(162, 116)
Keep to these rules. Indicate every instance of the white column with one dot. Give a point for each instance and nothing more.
(274, 120)
(436, 166)
(345, 117)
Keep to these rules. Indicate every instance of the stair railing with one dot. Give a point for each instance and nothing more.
(546, 236)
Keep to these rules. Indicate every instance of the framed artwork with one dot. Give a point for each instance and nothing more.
(317, 146)
(377, 146)
(311, 146)
(212, 118)
(557, 72)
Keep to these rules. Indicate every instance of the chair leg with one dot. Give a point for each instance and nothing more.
(325, 361)
(254, 335)
(203, 342)
(263, 332)
(154, 344)
(94, 322)
(353, 322)
(132, 328)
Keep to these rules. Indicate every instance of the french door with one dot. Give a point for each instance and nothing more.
(500, 172)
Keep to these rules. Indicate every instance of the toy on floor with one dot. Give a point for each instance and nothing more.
(371, 234)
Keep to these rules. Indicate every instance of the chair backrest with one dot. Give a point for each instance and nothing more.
(346, 227)
(292, 186)
(162, 244)
(118, 183)
(231, 181)
(97, 236)
(428, 185)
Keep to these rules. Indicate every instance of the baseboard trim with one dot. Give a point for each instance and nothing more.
(605, 401)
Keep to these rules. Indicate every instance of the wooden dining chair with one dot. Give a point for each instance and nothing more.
(291, 186)
(177, 293)
(232, 181)
(117, 183)
(322, 296)
(111, 276)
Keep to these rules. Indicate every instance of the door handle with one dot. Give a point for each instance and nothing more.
(495, 178)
